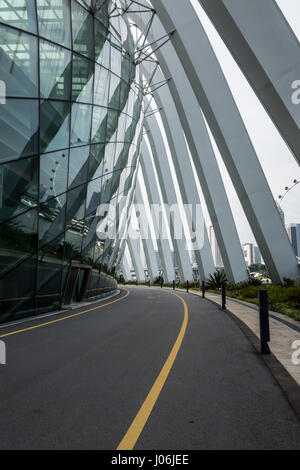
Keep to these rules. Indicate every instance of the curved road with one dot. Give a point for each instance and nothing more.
(78, 380)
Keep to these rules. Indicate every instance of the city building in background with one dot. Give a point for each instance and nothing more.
(70, 134)
(293, 231)
(251, 254)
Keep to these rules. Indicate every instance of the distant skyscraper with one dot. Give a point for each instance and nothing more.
(293, 231)
(252, 254)
(215, 248)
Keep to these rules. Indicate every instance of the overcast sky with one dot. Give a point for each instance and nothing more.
(277, 161)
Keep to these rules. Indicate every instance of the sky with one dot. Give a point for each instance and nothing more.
(277, 162)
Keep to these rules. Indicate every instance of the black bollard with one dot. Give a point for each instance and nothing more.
(149, 283)
(203, 289)
(173, 285)
(187, 286)
(223, 295)
(264, 321)
(161, 284)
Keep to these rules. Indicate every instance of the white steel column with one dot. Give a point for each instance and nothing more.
(124, 265)
(146, 239)
(267, 50)
(220, 110)
(204, 159)
(135, 254)
(154, 199)
(169, 194)
(184, 172)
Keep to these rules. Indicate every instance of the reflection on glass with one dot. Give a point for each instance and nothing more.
(49, 275)
(19, 13)
(101, 86)
(99, 123)
(17, 291)
(54, 21)
(76, 133)
(55, 71)
(78, 168)
(54, 130)
(53, 174)
(18, 63)
(81, 124)
(82, 24)
(82, 79)
(102, 46)
(19, 129)
(52, 219)
(18, 187)
(18, 239)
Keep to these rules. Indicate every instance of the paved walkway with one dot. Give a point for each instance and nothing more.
(78, 380)
(283, 330)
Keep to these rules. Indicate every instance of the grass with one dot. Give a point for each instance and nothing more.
(284, 300)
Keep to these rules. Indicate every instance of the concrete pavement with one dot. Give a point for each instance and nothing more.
(78, 383)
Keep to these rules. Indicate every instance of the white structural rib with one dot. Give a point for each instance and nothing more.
(216, 101)
(267, 51)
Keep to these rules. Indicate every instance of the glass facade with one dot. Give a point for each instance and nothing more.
(70, 134)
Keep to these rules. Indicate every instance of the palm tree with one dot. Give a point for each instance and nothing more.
(216, 280)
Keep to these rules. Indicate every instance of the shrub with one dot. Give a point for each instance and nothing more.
(216, 280)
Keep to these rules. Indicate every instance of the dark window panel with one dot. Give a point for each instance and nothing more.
(53, 174)
(19, 129)
(54, 127)
(17, 292)
(18, 187)
(78, 167)
(52, 219)
(82, 79)
(82, 30)
(81, 124)
(55, 71)
(18, 240)
(19, 13)
(54, 21)
(18, 63)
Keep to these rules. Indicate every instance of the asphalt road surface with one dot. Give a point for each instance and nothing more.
(80, 382)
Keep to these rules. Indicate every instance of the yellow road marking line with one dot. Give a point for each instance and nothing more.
(64, 318)
(129, 440)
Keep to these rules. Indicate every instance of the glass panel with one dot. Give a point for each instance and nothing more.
(75, 208)
(19, 129)
(18, 63)
(54, 131)
(52, 219)
(19, 13)
(18, 187)
(101, 86)
(82, 79)
(116, 61)
(102, 45)
(53, 174)
(93, 195)
(54, 21)
(55, 71)
(78, 169)
(109, 158)
(114, 91)
(96, 161)
(17, 291)
(99, 123)
(81, 124)
(49, 275)
(82, 24)
(18, 239)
